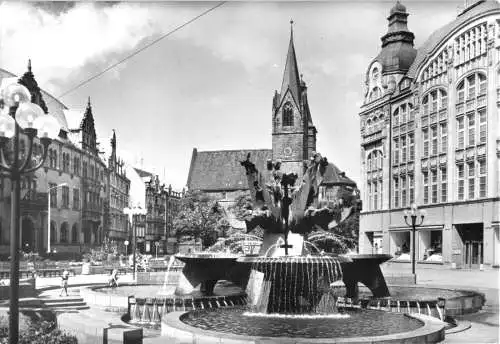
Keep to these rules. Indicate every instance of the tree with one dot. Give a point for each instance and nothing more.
(200, 217)
(240, 209)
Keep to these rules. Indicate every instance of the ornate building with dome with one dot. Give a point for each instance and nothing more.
(430, 135)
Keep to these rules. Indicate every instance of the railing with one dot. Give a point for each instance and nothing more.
(470, 105)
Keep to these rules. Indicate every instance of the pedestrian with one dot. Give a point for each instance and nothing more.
(64, 282)
(113, 279)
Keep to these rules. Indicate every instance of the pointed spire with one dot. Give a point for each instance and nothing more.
(29, 65)
(89, 106)
(113, 140)
(28, 80)
(291, 78)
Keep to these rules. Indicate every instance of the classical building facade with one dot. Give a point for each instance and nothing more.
(430, 135)
(74, 174)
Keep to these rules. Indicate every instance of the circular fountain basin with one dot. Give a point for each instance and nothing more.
(234, 325)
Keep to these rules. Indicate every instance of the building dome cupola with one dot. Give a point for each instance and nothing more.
(398, 52)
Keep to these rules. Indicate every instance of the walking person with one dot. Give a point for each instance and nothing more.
(64, 282)
(113, 279)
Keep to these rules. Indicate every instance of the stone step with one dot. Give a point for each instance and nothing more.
(64, 299)
(68, 308)
(65, 304)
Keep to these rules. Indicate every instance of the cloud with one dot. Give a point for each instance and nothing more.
(62, 44)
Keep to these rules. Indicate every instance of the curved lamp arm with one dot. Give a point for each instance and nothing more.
(45, 142)
(31, 133)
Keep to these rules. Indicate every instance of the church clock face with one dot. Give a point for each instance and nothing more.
(287, 151)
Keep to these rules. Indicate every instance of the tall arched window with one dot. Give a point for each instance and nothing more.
(74, 233)
(53, 232)
(64, 232)
(288, 115)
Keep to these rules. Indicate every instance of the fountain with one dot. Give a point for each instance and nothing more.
(289, 284)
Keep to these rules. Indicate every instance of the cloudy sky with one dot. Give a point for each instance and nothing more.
(210, 84)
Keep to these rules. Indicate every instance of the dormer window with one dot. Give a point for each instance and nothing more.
(375, 73)
(288, 115)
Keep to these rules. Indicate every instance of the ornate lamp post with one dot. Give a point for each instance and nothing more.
(133, 213)
(413, 213)
(18, 114)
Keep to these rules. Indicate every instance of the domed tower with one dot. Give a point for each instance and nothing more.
(398, 52)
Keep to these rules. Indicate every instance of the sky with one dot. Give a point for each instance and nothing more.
(210, 84)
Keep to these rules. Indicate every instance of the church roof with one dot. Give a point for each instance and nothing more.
(439, 36)
(221, 170)
(291, 78)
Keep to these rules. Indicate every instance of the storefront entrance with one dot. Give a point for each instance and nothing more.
(471, 235)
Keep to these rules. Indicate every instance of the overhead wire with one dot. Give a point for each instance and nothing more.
(114, 65)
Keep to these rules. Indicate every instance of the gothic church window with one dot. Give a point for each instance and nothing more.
(288, 115)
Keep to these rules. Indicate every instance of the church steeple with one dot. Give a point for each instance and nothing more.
(112, 158)
(291, 79)
(89, 139)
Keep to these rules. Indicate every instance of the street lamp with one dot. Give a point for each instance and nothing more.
(48, 214)
(413, 213)
(18, 114)
(132, 214)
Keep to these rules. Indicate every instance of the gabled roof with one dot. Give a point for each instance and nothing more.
(221, 170)
(291, 78)
(438, 37)
(333, 176)
(143, 173)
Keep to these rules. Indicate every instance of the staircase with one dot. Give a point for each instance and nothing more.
(64, 304)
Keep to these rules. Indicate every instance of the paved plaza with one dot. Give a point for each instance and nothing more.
(484, 325)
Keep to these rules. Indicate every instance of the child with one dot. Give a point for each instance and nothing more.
(64, 282)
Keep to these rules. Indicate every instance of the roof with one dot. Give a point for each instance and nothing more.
(439, 36)
(221, 170)
(55, 107)
(333, 176)
(291, 79)
(143, 173)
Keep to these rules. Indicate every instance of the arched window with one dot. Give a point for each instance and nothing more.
(74, 234)
(53, 232)
(395, 117)
(64, 232)
(375, 73)
(288, 115)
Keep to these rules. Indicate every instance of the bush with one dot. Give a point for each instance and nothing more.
(40, 333)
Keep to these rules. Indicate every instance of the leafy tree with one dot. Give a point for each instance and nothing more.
(200, 217)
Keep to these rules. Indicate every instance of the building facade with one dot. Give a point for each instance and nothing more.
(116, 226)
(430, 135)
(73, 173)
(161, 203)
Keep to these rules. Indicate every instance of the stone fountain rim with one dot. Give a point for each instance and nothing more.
(432, 331)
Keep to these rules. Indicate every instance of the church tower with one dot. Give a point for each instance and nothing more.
(294, 134)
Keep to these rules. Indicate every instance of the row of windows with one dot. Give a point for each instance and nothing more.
(65, 236)
(471, 180)
(471, 43)
(468, 132)
(403, 149)
(90, 200)
(404, 191)
(375, 194)
(374, 161)
(435, 139)
(471, 87)
(89, 171)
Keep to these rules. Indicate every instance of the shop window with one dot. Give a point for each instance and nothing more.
(432, 242)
